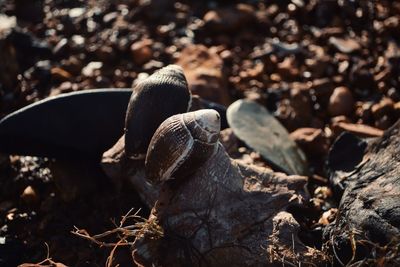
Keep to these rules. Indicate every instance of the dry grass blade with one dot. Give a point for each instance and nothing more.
(48, 262)
(124, 233)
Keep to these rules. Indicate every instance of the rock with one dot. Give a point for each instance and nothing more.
(361, 130)
(383, 112)
(255, 126)
(229, 19)
(204, 72)
(73, 65)
(92, 69)
(328, 216)
(60, 74)
(31, 11)
(295, 112)
(61, 48)
(141, 51)
(285, 245)
(76, 12)
(341, 102)
(9, 68)
(29, 196)
(369, 208)
(312, 141)
(346, 46)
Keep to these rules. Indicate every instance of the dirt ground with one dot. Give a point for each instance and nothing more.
(322, 67)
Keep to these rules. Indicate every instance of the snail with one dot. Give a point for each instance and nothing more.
(212, 210)
(181, 144)
(161, 95)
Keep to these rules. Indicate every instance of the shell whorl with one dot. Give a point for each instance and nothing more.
(161, 95)
(182, 144)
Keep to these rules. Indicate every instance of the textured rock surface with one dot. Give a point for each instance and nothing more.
(369, 208)
(224, 214)
(203, 70)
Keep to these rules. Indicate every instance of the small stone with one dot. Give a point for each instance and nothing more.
(29, 196)
(313, 141)
(61, 47)
(91, 68)
(345, 45)
(328, 216)
(105, 53)
(341, 102)
(229, 18)
(384, 107)
(141, 51)
(76, 12)
(360, 130)
(73, 65)
(60, 74)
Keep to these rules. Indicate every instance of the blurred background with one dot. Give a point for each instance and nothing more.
(321, 66)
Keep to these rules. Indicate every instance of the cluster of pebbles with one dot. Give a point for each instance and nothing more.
(321, 67)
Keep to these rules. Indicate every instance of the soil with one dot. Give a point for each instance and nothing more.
(322, 67)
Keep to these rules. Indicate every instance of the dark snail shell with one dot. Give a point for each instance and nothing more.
(182, 144)
(161, 95)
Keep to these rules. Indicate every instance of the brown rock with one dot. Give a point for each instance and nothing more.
(384, 113)
(341, 102)
(229, 18)
(295, 112)
(360, 130)
(203, 71)
(328, 216)
(60, 74)
(347, 46)
(312, 141)
(141, 51)
(384, 107)
(29, 196)
(73, 65)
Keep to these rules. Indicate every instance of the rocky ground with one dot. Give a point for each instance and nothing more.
(322, 67)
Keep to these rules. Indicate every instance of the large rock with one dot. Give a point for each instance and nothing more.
(368, 174)
(203, 71)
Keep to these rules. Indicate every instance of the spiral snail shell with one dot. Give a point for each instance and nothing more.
(161, 95)
(181, 144)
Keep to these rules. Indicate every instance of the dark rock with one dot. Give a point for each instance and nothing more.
(369, 213)
(341, 102)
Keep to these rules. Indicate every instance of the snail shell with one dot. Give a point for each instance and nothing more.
(182, 144)
(161, 95)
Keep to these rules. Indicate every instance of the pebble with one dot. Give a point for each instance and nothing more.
(141, 51)
(313, 141)
(341, 102)
(29, 196)
(345, 45)
(360, 130)
(90, 69)
(60, 74)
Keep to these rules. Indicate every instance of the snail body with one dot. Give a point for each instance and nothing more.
(161, 95)
(181, 144)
